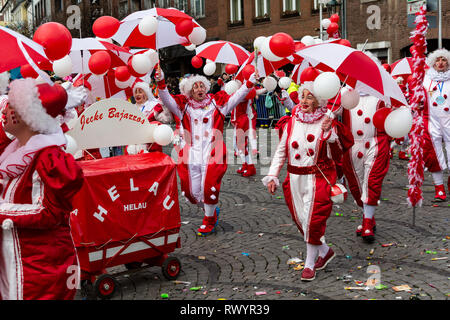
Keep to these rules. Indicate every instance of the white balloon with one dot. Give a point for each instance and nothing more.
(258, 42)
(148, 25)
(231, 87)
(349, 98)
(63, 67)
(267, 53)
(209, 68)
(121, 84)
(399, 122)
(191, 47)
(153, 56)
(71, 146)
(284, 82)
(308, 40)
(141, 63)
(326, 85)
(270, 83)
(197, 36)
(326, 23)
(163, 134)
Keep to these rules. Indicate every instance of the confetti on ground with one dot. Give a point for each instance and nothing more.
(164, 295)
(294, 261)
(441, 258)
(245, 254)
(201, 257)
(431, 252)
(372, 251)
(380, 286)
(182, 282)
(279, 197)
(356, 288)
(299, 267)
(285, 247)
(387, 245)
(260, 293)
(403, 287)
(339, 214)
(196, 288)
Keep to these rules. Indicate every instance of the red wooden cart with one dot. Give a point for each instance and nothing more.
(127, 213)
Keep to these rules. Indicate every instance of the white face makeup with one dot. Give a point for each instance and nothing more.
(441, 64)
(308, 102)
(198, 91)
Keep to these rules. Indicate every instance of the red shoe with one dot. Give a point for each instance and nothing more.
(440, 193)
(208, 225)
(308, 274)
(322, 262)
(359, 229)
(367, 232)
(242, 168)
(402, 155)
(250, 171)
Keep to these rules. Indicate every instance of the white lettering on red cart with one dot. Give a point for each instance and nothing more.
(114, 194)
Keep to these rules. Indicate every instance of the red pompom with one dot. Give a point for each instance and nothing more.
(297, 156)
(359, 112)
(360, 155)
(205, 120)
(310, 152)
(359, 132)
(294, 144)
(367, 145)
(310, 138)
(367, 120)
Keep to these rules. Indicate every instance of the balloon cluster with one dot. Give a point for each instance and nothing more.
(331, 25)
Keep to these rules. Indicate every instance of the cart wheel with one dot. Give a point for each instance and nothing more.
(105, 286)
(171, 268)
(87, 290)
(133, 265)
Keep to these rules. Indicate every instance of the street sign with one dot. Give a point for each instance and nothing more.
(432, 21)
(414, 7)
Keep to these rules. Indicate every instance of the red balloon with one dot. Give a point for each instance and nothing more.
(27, 71)
(184, 27)
(131, 70)
(332, 28)
(55, 38)
(282, 44)
(334, 18)
(99, 62)
(231, 68)
(387, 67)
(122, 74)
(105, 27)
(247, 71)
(309, 74)
(379, 118)
(345, 42)
(196, 62)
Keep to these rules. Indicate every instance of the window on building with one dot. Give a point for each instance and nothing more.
(198, 8)
(148, 4)
(59, 5)
(290, 8)
(236, 9)
(135, 5)
(181, 5)
(164, 3)
(262, 8)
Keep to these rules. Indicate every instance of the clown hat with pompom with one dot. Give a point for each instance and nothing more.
(41, 106)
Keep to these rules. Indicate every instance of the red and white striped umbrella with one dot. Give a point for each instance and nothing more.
(264, 66)
(298, 69)
(128, 34)
(103, 87)
(223, 52)
(17, 50)
(356, 68)
(402, 67)
(82, 49)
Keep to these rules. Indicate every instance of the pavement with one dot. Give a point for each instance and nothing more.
(246, 258)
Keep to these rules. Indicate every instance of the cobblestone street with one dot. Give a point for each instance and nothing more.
(247, 256)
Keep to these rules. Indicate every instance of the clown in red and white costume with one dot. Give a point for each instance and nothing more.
(309, 147)
(38, 180)
(436, 116)
(243, 118)
(202, 158)
(366, 164)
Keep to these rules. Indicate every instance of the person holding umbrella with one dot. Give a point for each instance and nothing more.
(437, 119)
(309, 143)
(202, 156)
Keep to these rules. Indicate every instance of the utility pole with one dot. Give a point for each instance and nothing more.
(440, 24)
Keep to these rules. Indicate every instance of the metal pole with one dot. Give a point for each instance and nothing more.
(440, 24)
(414, 216)
(320, 21)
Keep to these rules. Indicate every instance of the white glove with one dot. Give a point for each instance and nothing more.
(252, 78)
(76, 95)
(159, 75)
(7, 224)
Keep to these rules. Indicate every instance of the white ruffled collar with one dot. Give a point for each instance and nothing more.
(15, 159)
(438, 76)
(309, 117)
